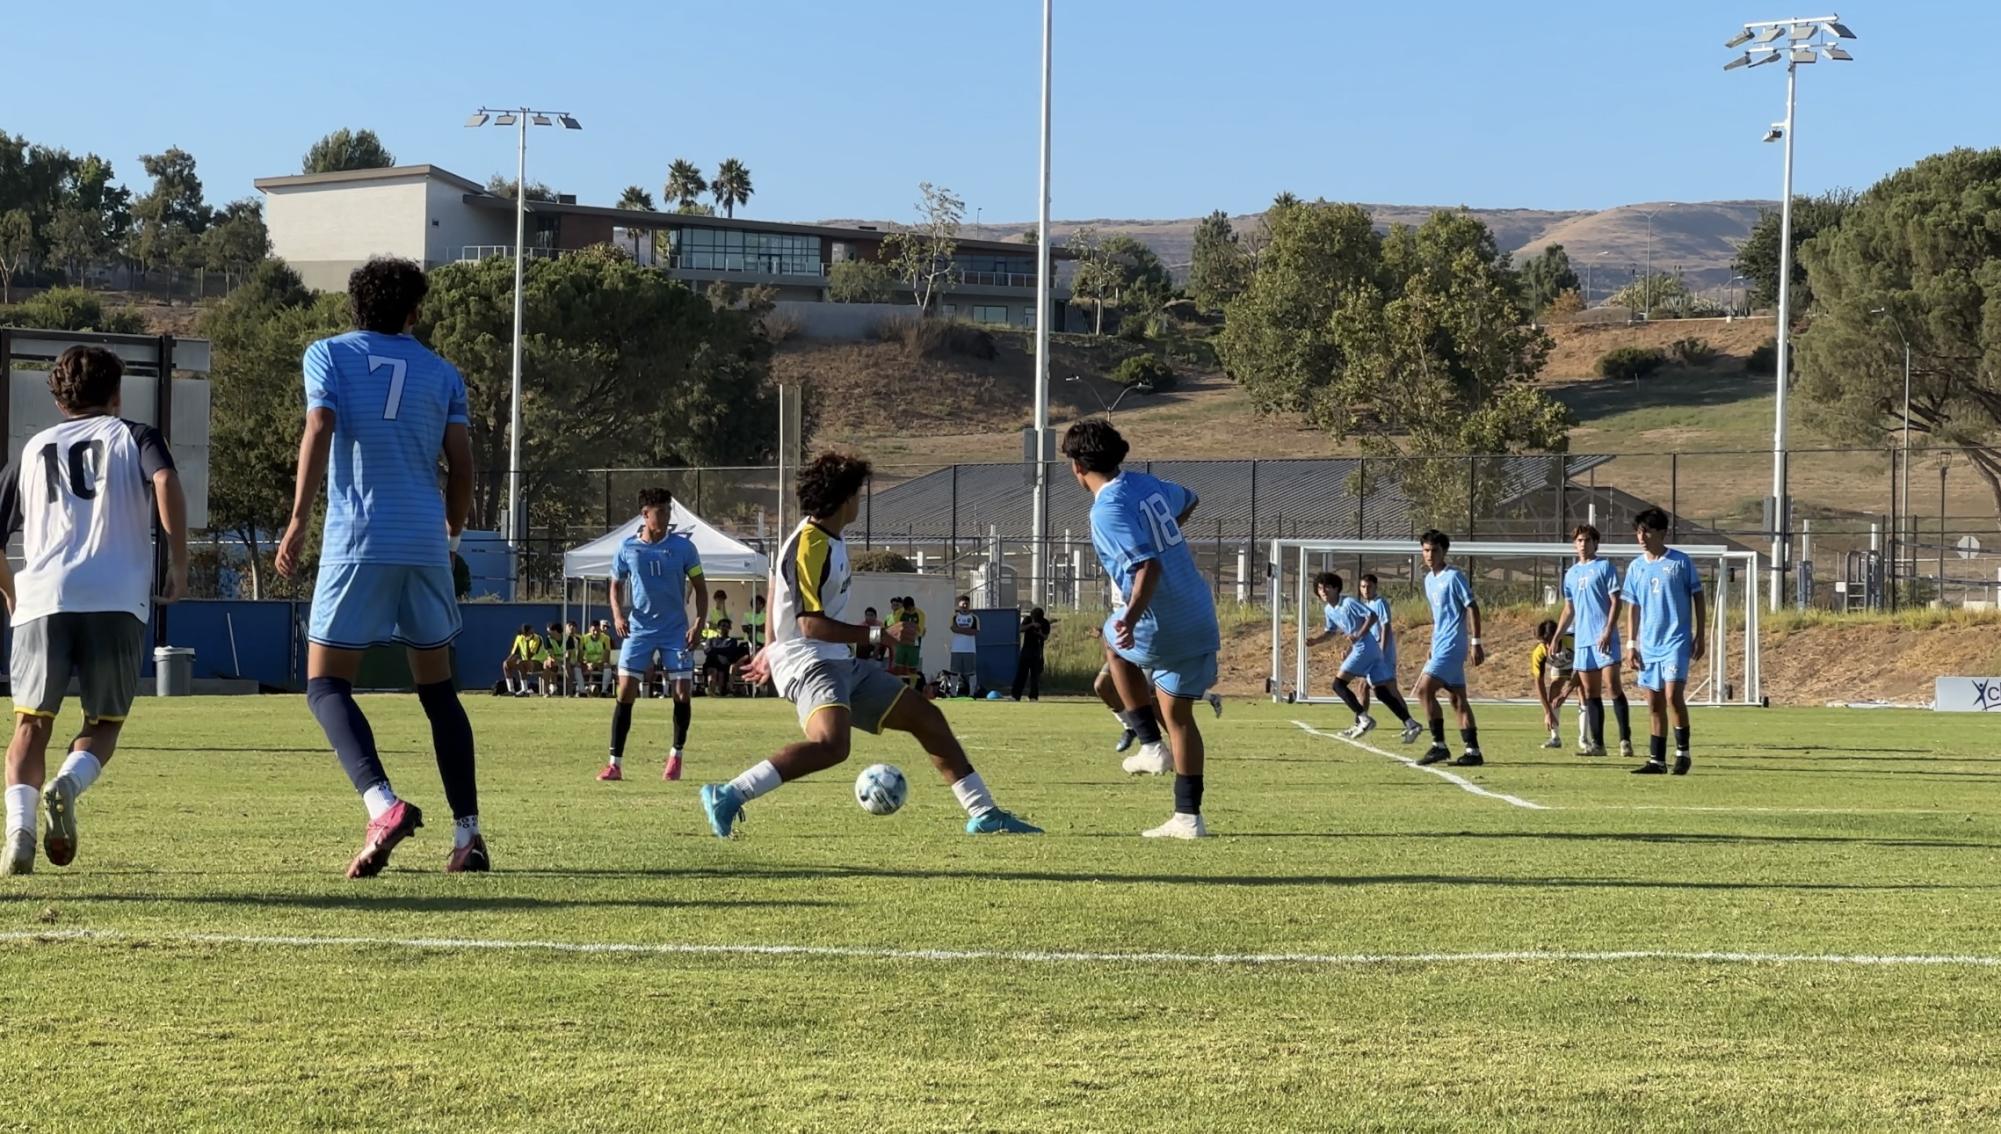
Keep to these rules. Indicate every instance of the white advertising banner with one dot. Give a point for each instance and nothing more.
(1967, 695)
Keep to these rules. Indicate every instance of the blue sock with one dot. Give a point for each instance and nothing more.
(451, 737)
(332, 701)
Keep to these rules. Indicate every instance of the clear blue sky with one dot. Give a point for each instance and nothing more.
(1163, 108)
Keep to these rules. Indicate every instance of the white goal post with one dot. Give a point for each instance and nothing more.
(1730, 673)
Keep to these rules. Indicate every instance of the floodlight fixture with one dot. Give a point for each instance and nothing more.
(1838, 28)
(1798, 32)
(478, 118)
(1777, 131)
(541, 120)
(1768, 57)
(569, 123)
(1771, 33)
(1740, 39)
(1743, 60)
(504, 120)
(1837, 54)
(1804, 55)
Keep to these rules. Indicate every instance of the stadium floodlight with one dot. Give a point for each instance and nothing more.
(520, 118)
(1743, 60)
(1738, 40)
(1805, 40)
(1835, 52)
(1038, 544)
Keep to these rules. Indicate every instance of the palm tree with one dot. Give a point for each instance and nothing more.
(731, 186)
(638, 200)
(685, 184)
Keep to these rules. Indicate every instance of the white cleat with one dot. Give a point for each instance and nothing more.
(1150, 760)
(1178, 826)
(20, 857)
(1215, 703)
(1364, 725)
(1412, 730)
(1625, 750)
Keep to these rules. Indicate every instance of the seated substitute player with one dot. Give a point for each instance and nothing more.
(1352, 619)
(1550, 665)
(1591, 608)
(835, 692)
(1163, 639)
(556, 655)
(83, 498)
(1665, 623)
(594, 654)
(523, 660)
(379, 407)
(1452, 609)
(652, 573)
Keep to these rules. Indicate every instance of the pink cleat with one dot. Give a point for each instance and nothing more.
(397, 823)
(673, 769)
(611, 774)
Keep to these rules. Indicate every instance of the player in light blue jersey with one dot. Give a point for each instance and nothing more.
(652, 573)
(1665, 621)
(1453, 613)
(1591, 613)
(1354, 620)
(1369, 589)
(379, 407)
(1164, 633)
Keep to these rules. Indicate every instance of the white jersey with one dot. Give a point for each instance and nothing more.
(809, 576)
(965, 633)
(81, 496)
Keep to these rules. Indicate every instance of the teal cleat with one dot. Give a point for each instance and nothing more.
(721, 805)
(998, 822)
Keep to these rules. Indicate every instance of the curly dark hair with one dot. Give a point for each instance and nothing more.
(831, 481)
(85, 378)
(1095, 445)
(384, 293)
(1434, 538)
(656, 498)
(1652, 519)
(1328, 580)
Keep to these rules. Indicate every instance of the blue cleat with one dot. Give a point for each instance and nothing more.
(721, 805)
(998, 822)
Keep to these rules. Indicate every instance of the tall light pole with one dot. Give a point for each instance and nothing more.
(1589, 266)
(520, 118)
(1904, 478)
(1805, 40)
(1038, 543)
(1648, 298)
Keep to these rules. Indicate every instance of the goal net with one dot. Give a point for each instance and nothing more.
(1505, 576)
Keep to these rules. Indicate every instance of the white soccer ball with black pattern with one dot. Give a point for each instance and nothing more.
(881, 789)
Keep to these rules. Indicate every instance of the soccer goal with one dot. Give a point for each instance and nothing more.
(1510, 571)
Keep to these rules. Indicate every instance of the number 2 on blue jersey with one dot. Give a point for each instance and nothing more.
(397, 367)
(1166, 529)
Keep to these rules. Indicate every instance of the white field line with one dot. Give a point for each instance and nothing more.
(1025, 956)
(1462, 783)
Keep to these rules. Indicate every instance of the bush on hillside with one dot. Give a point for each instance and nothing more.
(937, 337)
(1144, 369)
(1631, 363)
(1692, 351)
(1567, 302)
(1763, 360)
(72, 309)
(882, 559)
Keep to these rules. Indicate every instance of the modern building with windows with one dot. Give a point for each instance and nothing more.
(326, 224)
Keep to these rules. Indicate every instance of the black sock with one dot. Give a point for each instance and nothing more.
(451, 737)
(683, 712)
(1187, 794)
(1681, 739)
(1594, 721)
(1438, 730)
(1471, 736)
(621, 724)
(1621, 712)
(1394, 700)
(1657, 748)
(332, 701)
(1348, 697)
(1142, 724)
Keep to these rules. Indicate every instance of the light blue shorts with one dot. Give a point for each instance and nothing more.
(1368, 663)
(1589, 659)
(1448, 669)
(1188, 678)
(358, 605)
(638, 652)
(1656, 670)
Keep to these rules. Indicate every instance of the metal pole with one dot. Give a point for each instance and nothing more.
(1038, 551)
(1905, 509)
(1941, 536)
(515, 522)
(1779, 509)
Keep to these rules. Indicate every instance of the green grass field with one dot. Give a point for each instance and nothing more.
(1803, 835)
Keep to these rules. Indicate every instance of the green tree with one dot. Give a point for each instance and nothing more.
(1923, 246)
(638, 200)
(859, 281)
(74, 309)
(1218, 269)
(731, 186)
(1758, 257)
(91, 218)
(1655, 292)
(1118, 269)
(17, 244)
(1545, 276)
(169, 220)
(501, 185)
(1278, 338)
(695, 209)
(685, 183)
(921, 256)
(346, 149)
(237, 239)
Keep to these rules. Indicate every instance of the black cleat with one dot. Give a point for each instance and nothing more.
(1438, 754)
(1126, 741)
(1471, 758)
(1682, 763)
(1652, 768)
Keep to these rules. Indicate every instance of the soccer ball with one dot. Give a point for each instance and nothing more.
(993, 694)
(881, 789)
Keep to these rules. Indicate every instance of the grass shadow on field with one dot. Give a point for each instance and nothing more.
(320, 751)
(1672, 390)
(421, 903)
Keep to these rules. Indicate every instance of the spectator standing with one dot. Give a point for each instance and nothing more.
(910, 652)
(966, 646)
(1028, 668)
(867, 651)
(753, 624)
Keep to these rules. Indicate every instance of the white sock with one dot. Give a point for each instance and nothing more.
(21, 801)
(378, 799)
(673, 753)
(618, 761)
(759, 780)
(973, 796)
(82, 768)
(465, 830)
